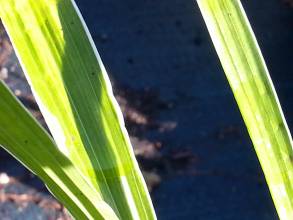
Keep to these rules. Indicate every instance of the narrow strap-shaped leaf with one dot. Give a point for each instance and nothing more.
(74, 93)
(253, 89)
(26, 140)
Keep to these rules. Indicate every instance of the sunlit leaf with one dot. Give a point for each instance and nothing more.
(253, 89)
(74, 94)
(26, 140)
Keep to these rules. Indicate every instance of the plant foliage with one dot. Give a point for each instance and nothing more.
(74, 94)
(256, 97)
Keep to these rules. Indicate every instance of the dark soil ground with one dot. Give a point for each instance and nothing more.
(187, 132)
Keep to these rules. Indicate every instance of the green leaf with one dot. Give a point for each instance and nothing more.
(26, 140)
(253, 89)
(74, 94)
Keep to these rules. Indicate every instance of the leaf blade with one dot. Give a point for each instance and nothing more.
(253, 89)
(74, 94)
(26, 140)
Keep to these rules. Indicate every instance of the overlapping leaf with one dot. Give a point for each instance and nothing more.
(74, 94)
(25, 139)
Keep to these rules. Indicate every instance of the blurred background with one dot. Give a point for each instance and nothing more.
(186, 129)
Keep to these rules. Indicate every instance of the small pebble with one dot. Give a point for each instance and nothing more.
(4, 73)
(4, 178)
(17, 92)
(13, 68)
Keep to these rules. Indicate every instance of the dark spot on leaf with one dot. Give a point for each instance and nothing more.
(25, 141)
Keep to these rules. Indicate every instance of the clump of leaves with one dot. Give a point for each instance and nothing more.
(90, 165)
(97, 167)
